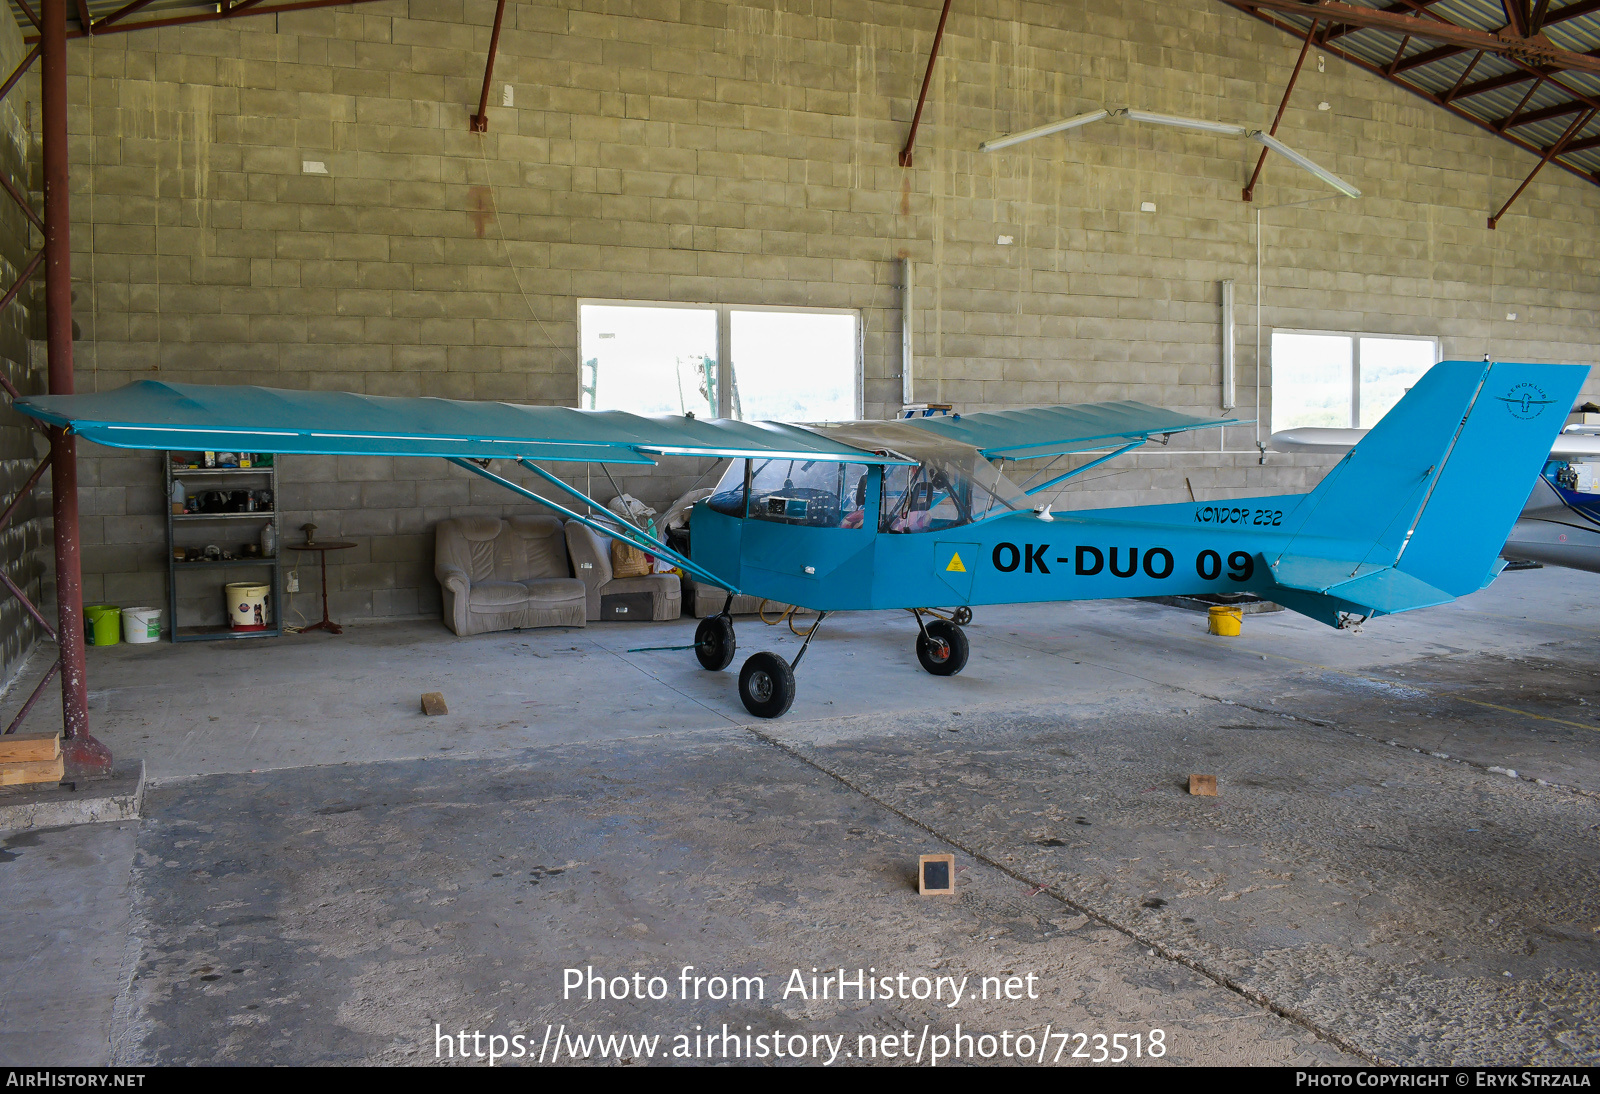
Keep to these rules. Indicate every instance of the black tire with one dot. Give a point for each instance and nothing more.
(943, 649)
(766, 685)
(961, 616)
(713, 642)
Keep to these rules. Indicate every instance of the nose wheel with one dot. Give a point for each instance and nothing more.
(941, 647)
(766, 685)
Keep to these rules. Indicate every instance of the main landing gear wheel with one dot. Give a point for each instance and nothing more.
(766, 685)
(942, 647)
(713, 642)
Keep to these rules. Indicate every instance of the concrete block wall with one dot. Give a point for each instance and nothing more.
(696, 150)
(25, 544)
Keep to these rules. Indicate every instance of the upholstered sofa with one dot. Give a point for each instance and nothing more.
(654, 596)
(499, 574)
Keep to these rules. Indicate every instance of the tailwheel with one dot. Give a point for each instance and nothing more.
(713, 642)
(961, 616)
(942, 647)
(766, 685)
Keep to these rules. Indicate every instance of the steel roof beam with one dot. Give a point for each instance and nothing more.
(238, 11)
(1571, 11)
(1393, 9)
(118, 15)
(1427, 57)
(1543, 114)
(479, 122)
(1505, 79)
(1519, 16)
(908, 151)
(1549, 154)
(1271, 19)
(1517, 47)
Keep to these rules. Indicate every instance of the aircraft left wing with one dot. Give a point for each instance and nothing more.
(1055, 430)
(155, 414)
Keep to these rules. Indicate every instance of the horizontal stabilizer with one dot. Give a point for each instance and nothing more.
(1382, 590)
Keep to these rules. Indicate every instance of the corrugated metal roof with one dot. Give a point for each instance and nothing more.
(1527, 102)
(119, 16)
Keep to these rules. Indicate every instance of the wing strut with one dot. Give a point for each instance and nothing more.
(1085, 467)
(623, 531)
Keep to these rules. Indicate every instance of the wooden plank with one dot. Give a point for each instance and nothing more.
(29, 747)
(1203, 785)
(37, 771)
(433, 703)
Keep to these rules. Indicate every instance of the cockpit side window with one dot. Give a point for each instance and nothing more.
(925, 498)
(729, 496)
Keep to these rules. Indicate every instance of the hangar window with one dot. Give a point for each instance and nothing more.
(781, 364)
(648, 359)
(794, 366)
(1331, 378)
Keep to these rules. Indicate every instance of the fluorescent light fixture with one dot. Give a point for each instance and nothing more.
(1296, 158)
(1042, 131)
(1220, 128)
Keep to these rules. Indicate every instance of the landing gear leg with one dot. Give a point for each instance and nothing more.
(941, 646)
(766, 682)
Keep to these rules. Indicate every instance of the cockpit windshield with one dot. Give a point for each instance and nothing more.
(812, 493)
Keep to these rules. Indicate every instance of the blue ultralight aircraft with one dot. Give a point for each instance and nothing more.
(918, 514)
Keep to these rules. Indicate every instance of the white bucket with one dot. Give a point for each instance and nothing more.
(141, 625)
(247, 605)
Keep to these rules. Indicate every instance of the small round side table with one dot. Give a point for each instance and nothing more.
(322, 547)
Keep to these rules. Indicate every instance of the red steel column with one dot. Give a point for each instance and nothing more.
(84, 755)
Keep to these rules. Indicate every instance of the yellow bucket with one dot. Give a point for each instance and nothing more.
(1225, 621)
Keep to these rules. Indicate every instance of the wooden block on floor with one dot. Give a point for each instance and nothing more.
(433, 703)
(33, 771)
(1203, 785)
(29, 747)
(936, 875)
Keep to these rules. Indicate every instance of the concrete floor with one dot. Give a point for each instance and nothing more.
(323, 874)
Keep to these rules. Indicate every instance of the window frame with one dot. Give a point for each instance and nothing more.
(1355, 337)
(727, 367)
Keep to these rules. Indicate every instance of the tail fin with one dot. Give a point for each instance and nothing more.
(1417, 513)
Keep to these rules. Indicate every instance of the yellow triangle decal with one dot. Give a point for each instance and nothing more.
(955, 566)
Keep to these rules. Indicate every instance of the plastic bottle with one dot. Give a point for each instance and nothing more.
(269, 541)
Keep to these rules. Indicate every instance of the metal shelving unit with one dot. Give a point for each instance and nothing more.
(199, 480)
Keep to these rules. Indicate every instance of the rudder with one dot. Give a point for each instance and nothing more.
(1372, 497)
(1475, 497)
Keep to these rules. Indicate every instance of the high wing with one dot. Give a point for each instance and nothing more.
(1056, 430)
(155, 414)
(209, 417)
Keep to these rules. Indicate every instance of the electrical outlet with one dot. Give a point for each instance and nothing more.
(291, 581)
